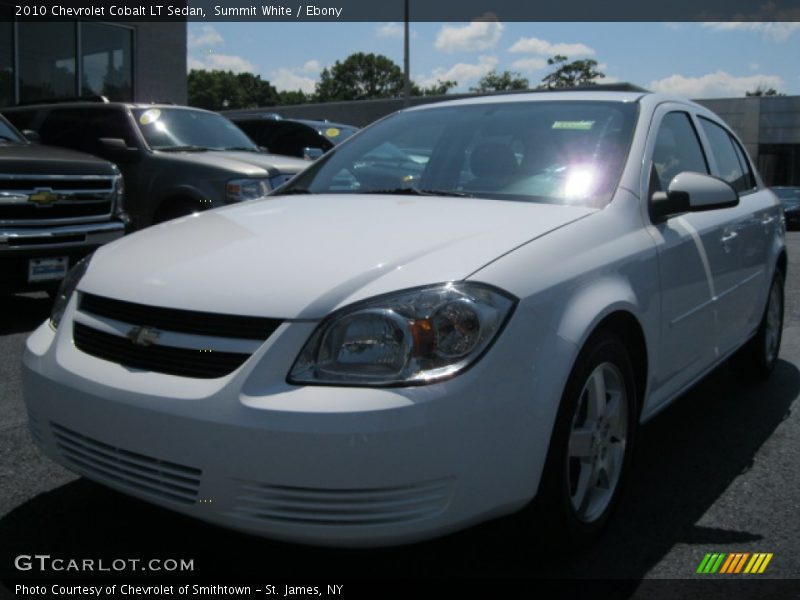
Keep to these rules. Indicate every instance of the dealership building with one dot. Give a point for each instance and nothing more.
(146, 62)
(142, 62)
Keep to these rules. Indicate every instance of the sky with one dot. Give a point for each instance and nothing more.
(695, 60)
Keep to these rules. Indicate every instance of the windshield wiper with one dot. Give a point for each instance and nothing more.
(238, 149)
(187, 148)
(411, 191)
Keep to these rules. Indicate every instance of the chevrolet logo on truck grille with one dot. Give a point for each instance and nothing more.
(43, 196)
(143, 336)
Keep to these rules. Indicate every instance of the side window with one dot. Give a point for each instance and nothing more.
(252, 129)
(22, 119)
(730, 165)
(109, 124)
(67, 128)
(677, 149)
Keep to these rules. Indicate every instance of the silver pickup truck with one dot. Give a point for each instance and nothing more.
(56, 206)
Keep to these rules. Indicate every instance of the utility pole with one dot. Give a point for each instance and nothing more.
(406, 65)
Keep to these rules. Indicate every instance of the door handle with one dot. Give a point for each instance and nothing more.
(729, 237)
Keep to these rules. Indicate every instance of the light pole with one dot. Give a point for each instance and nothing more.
(406, 66)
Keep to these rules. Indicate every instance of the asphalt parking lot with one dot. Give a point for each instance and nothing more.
(716, 472)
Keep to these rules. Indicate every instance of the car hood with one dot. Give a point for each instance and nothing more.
(35, 159)
(247, 164)
(300, 257)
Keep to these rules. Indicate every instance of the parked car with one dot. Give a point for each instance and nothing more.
(434, 346)
(175, 160)
(56, 206)
(790, 198)
(304, 138)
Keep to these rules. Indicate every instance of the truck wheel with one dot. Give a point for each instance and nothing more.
(173, 209)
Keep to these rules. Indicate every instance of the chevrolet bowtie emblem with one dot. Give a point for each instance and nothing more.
(43, 196)
(143, 336)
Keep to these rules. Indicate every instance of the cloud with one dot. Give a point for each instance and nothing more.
(394, 31)
(482, 34)
(221, 62)
(207, 36)
(713, 85)
(534, 45)
(529, 64)
(297, 78)
(775, 31)
(463, 73)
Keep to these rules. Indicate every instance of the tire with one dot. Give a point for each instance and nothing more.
(757, 358)
(174, 209)
(591, 446)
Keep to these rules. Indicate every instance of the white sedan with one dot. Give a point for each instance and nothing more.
(464, 306)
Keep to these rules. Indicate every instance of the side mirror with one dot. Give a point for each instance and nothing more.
(312, 153)
(692, 192)
(117, 148)
(32, 136)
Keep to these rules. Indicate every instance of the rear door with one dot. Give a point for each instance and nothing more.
(749, 232)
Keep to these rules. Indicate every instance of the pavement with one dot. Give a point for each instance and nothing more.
(716, 472)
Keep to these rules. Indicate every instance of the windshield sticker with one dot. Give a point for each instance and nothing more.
(332, 132)
(582, 125)
(150, 116)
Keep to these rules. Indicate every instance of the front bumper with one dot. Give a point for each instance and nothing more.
(19, 245)
(324, 465)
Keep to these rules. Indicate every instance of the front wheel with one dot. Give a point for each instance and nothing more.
(591, 445)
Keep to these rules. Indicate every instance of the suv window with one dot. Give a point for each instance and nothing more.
(677, 149)
(80, 128)
(729, 163)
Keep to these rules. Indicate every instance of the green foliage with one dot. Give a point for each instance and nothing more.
(500, 82)
(762, 90)
(220, 90)
(571, 74)
(360, 77)
(440, 88)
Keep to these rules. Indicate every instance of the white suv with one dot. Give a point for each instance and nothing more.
(465, 306)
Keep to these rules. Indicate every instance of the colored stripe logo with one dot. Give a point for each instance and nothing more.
(734, 563)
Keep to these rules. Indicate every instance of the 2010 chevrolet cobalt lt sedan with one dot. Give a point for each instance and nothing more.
(464, 307)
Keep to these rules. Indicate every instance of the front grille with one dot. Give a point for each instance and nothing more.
(343, 507)
(78, 198)
(63, 209)
(27, 185)
(181, 321)
(185, 362)
(145, 474)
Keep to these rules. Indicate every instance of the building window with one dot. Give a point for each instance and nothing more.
(106, 61)
(6, 64)
(46, 60)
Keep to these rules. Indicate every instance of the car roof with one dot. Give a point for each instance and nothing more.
(90, 104)
(268, 116)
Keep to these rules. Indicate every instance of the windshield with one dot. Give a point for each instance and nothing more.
(8, 133)
(566, 152)
(336, 133)
(184, 129)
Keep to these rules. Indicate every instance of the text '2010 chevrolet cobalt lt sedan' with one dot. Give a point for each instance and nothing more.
(465, 306)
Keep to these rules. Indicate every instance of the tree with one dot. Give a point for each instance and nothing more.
(287, 97)
(500, 82)
(440, 88)
(219, 90)
(762, 90)
(359, 77)
(572, 74)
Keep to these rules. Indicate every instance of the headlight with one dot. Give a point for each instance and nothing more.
(119, 197)
(412, 337)
(238, 190)
(67, 288)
